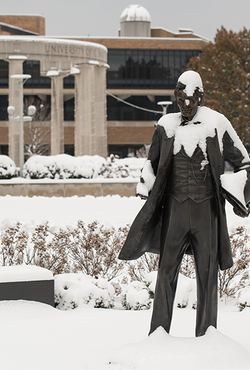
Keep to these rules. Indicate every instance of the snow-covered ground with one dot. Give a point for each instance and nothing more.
(35, 336)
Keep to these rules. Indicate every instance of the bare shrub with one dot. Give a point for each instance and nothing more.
(112, 169)
(91, 249)
(94, 249)
(14, 245)
(143, 151)
(145, 264)
(149, 262)
(236, 278)
(188, 266)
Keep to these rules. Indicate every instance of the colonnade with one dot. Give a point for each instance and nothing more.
(90, 109)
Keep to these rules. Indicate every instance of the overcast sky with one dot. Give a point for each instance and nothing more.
(102, 17)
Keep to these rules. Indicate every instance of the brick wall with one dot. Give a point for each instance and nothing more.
(130, 135)
(27, 22)
(4, 135)
(120, 43)
(69, 133)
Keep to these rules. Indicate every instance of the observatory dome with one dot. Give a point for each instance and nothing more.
(135, 13)
(135, 21)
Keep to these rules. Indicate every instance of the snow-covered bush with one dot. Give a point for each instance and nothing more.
(115, 167)
(7, 167)
(93, 250)
(74, 290)
(186, 292)
(243, 300)
(62, 166)
(136, 296)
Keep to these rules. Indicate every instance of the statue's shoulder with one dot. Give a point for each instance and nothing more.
(206, 114)
(170, 122)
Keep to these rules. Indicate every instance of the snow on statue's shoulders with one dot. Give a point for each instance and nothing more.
(170, 122)
(193, 133)
(205, 124)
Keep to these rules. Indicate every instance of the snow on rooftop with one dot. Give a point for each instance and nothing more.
(24, 273)
(21, 15)
(52, 40)
(135, 13)
(186, 30)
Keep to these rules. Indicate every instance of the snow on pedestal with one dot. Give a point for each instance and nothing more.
(24, 273)
(30, 283)
(161, 351)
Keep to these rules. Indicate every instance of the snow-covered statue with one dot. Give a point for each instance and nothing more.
(185, 188)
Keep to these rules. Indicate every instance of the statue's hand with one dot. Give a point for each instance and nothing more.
(143, 197)
(239, 213)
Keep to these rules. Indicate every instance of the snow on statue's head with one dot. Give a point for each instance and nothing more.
(190, 82)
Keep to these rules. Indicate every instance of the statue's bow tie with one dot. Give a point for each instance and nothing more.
(184, 123)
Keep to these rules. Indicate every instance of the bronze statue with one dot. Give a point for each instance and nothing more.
(185, 207)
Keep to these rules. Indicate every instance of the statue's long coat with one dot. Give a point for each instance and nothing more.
(223, 145)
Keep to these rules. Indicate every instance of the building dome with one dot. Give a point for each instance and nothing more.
(135, 21)
(135, 13)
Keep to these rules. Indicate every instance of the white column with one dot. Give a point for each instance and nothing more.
(15, 67)
(101, 111)
(57, 129)
(90, 111)
(84, 111)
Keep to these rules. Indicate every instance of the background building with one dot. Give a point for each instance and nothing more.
(144, 64)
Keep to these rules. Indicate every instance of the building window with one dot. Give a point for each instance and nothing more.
(119, 111)
(69, 109)
(123, 151)
(69, 149)
(32, 67)
(3, 107)
(4, 74)
(69, 82)
(4, 149)
(131, 68)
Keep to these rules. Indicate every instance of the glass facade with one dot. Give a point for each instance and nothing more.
(3, 107)
(131, 68)
(4, 74)
(69, 110)
(123, 151)
(119, 111)
(32, 67)
(69, 82)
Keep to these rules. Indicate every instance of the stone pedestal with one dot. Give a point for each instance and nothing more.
(31, 283)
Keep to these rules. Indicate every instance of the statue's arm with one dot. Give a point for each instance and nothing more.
(149, 170)
(235, 153)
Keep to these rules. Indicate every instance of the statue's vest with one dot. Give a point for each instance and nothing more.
(191, 177)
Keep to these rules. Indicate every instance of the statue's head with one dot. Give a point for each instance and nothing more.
(189, 93)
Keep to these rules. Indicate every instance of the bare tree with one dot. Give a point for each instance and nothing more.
(37, 132)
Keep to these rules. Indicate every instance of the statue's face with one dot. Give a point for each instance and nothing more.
(188, 104)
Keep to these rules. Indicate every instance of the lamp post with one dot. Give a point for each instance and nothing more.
(21, 79)
(164, 105)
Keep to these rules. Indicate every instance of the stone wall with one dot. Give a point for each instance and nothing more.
(69, 189)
